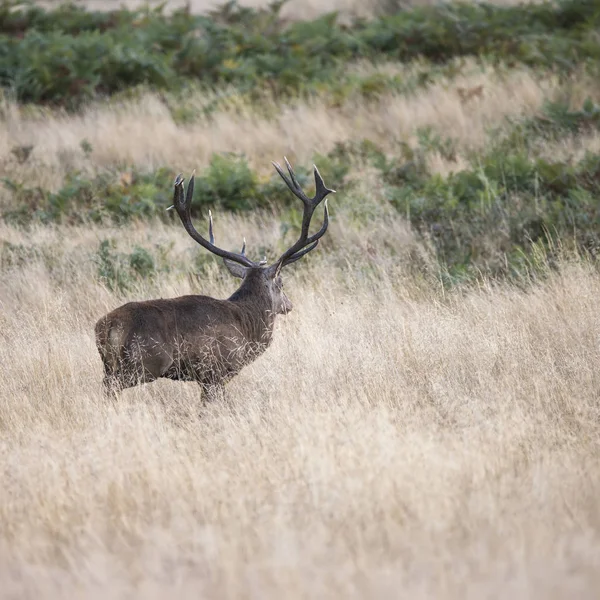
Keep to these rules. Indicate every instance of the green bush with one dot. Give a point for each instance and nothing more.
(118, 196)
(120, 271)
(228, 184)
(509, 201)
(68, 55)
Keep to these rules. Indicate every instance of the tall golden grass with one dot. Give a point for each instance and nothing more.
(396, 440)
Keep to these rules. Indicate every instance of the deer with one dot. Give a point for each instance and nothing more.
(198, 338)
(468, 94)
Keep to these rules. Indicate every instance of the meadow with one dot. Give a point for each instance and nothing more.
(426, 421)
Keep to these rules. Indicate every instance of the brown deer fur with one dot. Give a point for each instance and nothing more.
(199, 338)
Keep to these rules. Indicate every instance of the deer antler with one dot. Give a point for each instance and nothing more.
(305, 242)
(183, 207)
(182, 203)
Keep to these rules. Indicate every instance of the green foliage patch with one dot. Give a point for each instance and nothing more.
(486, 218)
(120, 271)
(68, 55)
(228, 183)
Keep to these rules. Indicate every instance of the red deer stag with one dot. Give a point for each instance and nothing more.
(198, 338)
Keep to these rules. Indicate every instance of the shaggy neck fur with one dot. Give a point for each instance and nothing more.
(254, 298)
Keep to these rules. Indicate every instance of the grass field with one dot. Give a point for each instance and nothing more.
(395, 441)
(401, 438)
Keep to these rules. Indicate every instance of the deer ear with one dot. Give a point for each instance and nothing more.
(274, 270)
(235, 269)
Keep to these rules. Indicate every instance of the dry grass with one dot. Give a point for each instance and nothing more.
(393, 442)
(294, 10)
(127, 132)
(571, 149)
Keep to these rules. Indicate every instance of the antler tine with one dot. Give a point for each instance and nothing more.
(321, 191)
(302, 252)
(211, 236)
(323, 229)
(190, 190)
(312, 241)
(297, 187)
(291, 181)
(261, 263)
(183, 207)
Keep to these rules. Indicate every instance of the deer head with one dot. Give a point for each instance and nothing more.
(258, 276)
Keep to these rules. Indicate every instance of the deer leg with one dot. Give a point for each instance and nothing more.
(111, 383)
(115, 382)
(126, 375)
(212, 392)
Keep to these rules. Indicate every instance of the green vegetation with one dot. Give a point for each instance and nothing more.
(120, 196)
(482, 219)
(490, 217)
(67, 56)
(119, 271)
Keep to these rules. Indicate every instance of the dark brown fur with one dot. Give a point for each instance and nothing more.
(190, 338)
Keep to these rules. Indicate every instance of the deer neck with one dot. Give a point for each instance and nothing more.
(255, 301)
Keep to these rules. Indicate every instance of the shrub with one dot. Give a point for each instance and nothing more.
(120, 271)
(68, 55)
